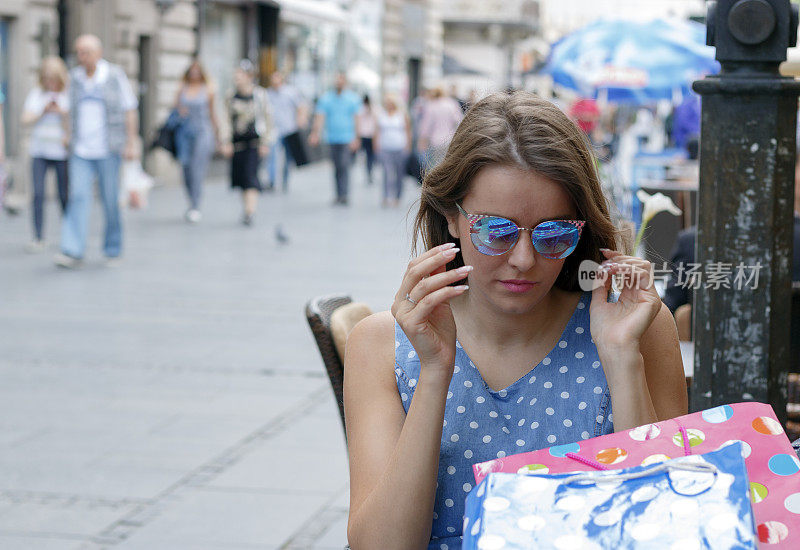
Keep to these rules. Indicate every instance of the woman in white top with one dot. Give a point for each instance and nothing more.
(46, 109)
(393, 144)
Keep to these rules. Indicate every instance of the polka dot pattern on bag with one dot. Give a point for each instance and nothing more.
(773, 467)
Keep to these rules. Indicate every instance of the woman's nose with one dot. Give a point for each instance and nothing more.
(523, 255)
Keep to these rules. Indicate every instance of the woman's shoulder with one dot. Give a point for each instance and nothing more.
(376, 325)
(369, 347)
(373, 334)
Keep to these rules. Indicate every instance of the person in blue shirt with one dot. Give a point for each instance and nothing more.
(336, 113)
(493, 345)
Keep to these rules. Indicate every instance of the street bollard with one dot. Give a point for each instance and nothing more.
(747, 152)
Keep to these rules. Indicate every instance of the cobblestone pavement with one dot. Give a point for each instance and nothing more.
(178, 400)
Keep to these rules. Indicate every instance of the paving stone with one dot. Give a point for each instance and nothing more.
(34, 542)
(222, 518)
(181, 393)
(82, 518)
(286, 470)
(335, 537)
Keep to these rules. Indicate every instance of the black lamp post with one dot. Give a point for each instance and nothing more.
(747, 152)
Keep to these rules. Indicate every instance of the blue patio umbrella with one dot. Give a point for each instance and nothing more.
(632, 62)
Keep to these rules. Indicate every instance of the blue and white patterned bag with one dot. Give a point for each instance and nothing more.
(692, 502)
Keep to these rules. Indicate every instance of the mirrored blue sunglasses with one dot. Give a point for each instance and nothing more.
(495, 235)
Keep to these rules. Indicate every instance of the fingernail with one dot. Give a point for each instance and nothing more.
(450, 251)
(461, 287)
(465, 269)
(605, 250)
(445, 246)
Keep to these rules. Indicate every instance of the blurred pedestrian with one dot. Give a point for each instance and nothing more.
(440, 118)
(3, 174)
(195, 104)
(586, 114)
(393, 145)
(336, 112)
(104, 128)
(289, 114)
(2, 131)
(251, 136)
(46, 109)
(366, 124)
(686, 123)
(417, 109)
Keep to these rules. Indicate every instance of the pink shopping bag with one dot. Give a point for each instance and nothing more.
(772, 465)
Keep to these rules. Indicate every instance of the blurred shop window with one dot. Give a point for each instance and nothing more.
(223, 29)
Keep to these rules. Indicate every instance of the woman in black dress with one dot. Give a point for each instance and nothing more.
(250, 136)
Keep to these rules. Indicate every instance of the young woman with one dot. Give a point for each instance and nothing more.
(393, 145)
(46, 109)
(195, 104)
(490, 347)
(251, 136)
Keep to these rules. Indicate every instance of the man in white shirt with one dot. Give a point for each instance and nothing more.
(104, 129)
(288, 115)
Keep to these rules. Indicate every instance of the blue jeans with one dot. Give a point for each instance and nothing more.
(39, 167)
(394, 170)
(272, 163)
(82, 173)
(342, 157)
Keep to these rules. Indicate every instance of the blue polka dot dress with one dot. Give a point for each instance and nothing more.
(563, 399)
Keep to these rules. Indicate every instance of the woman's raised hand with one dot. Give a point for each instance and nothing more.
(622, 324)
(421, 306)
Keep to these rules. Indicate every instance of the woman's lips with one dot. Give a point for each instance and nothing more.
(517, 285)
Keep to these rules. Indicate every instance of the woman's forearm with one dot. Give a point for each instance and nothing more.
(630, 397)
(398, 512)
(29, 118)
(212, 115)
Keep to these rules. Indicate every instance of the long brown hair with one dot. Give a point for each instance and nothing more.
(518, 129)
(203, 74)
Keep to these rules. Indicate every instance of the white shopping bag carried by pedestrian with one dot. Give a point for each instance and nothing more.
(136, 184)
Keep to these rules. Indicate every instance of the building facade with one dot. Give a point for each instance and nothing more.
(484, 42)
(412, 40)
(155, 41)
(152, 40)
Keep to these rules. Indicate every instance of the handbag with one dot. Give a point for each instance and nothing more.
(297, 148)
(165, 135)
(772, 465)
(165, 139)
(697, 501)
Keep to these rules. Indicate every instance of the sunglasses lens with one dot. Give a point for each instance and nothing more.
(555, 240)
(494, 236)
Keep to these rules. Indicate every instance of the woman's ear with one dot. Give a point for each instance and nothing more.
(452, 227)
